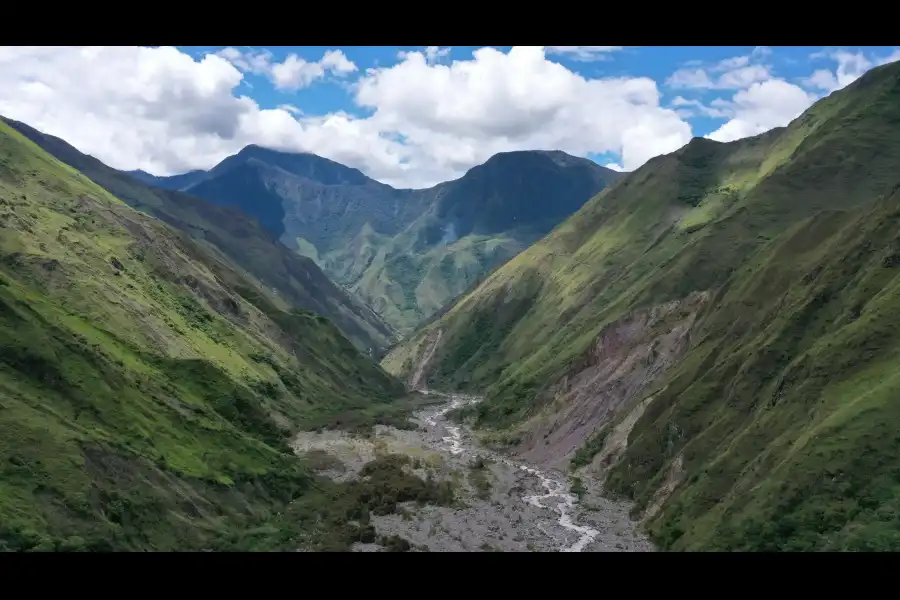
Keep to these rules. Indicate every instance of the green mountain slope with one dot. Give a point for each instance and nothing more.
(405, 253)
(718, 323)
(787, 405)
(148, 387)
(470, 226)
(297, 280)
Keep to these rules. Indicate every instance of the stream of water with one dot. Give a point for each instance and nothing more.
(566, 501)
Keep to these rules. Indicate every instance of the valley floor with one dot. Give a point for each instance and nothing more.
(502, 504)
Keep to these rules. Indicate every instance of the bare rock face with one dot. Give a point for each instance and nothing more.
(626, 359)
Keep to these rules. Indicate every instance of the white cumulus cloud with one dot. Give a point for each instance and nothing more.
(432, 54)
(850, 67)
(164, 111)
(294, 72)
(763, 101)
(761, 107)
(737, 72)
(460, 114)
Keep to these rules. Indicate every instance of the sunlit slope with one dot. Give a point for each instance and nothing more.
(297, 281)
(147, 388)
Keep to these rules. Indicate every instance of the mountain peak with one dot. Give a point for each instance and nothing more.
(535, 188)
(879, 73)
(257, 151)
(700, 142)
(301, 164)
(557, 157)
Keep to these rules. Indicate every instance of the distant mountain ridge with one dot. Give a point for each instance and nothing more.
(175, 182)
(404, 252)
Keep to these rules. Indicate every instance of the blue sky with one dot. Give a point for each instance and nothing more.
(413, 116)
(658, 63)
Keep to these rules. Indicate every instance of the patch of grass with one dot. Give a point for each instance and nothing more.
(479, 477)
(586, 453)
(386, 482)
(395, 543)
(333, 516)
(320, 460)
(578, 488)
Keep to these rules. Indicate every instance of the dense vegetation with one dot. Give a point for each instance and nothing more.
(782, 414)
(341, 513)
(148, 387)
(297, 281)
(405, 253)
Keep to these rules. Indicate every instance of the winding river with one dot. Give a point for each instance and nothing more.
(558, 498)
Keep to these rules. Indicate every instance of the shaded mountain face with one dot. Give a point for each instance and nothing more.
(405, 253)
(715, 335)
(305, 196)
(175, 182)
(530, 190)
(149, 385)
(297, 280)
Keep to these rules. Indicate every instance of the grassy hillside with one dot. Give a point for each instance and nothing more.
(406, 281)
(785, 385)
(405, 253)
(786, 408)
(297, 281)
(148, 387)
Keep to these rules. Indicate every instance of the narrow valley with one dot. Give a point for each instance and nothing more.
(465, 339)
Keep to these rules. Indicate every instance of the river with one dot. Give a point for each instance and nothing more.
(558, 497)
(503, 504)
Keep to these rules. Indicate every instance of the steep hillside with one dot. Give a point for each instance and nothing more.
(148, 387)
(404, 252)
(786, 407)
(713, 333)
(297, 281)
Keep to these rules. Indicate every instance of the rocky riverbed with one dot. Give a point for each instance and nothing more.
(504, 505)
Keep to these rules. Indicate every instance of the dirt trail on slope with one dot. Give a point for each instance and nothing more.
(416, 379)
